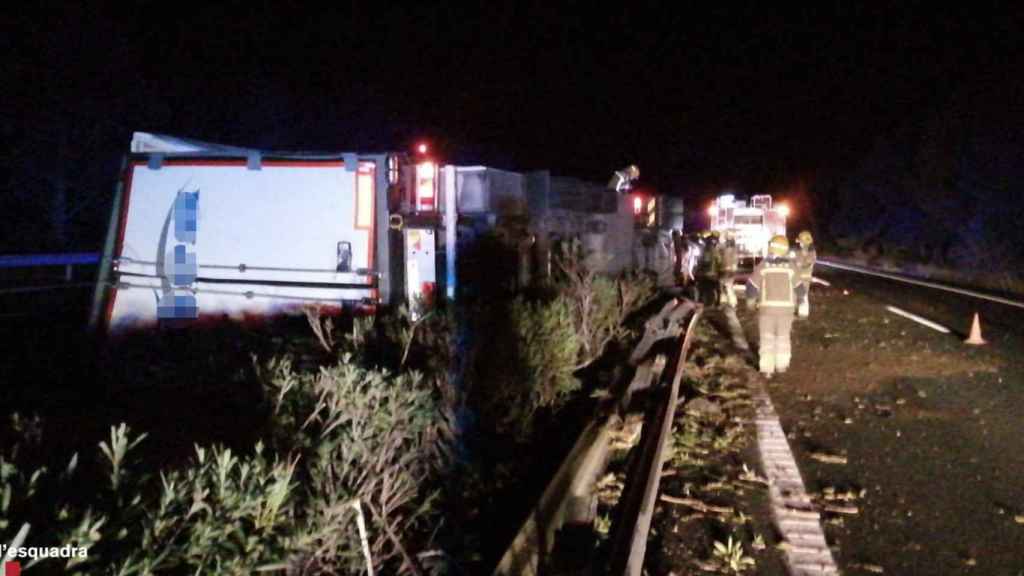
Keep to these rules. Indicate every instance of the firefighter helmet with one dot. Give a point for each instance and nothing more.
(804, 238)
(778, 246)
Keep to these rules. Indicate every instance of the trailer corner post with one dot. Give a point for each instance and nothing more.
(451, 217)
(100, 294)
(382, 230)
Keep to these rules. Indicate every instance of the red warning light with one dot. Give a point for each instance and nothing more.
(426, 183)
(422, 148)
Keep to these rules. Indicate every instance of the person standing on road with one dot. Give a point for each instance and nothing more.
(692, 247)
(771, 288)
(677, 256)
(693, 250)
(707, 270)
(804, 258)
(728, 266)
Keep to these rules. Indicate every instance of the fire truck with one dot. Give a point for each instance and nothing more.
(752, 223)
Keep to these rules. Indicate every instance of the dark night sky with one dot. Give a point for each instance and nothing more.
(693, 97)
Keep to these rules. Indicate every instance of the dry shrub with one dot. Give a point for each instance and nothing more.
(599, 305)
(346, 445)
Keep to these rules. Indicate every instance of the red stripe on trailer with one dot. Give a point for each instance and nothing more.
(305, 163)
(372, 232)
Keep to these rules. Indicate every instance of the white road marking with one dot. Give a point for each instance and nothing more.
(918, 319)
(800, 525)
(906, 280)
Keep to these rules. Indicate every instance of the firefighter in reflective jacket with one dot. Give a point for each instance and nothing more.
(708, 265)
(804, 257)
(771, 287)
(728, 263)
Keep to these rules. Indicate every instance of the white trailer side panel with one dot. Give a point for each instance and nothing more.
(275, 231)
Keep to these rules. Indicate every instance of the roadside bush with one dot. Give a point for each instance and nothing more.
(528, 351)
(599, 305)
(547, 346)
(393, 338)
(344, 474)
(523, 361)
(370, 439)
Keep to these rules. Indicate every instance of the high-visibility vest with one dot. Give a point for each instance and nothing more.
(777, 280)
(805, 260)
(730, 262)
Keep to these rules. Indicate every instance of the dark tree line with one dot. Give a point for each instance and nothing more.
(944, 189)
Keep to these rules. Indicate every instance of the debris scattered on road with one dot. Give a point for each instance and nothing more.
(696, 504)
(828, 458)
(629, 434)
(749, 475)
(873, 568)
(830, 493)
(840, 509)
(701, 406)
(609, 488)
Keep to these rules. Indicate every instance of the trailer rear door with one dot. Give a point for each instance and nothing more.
(285, 234)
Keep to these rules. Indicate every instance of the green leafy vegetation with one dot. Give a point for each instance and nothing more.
(348, 455)
(347, 447)
(732, 557)
(535, 345)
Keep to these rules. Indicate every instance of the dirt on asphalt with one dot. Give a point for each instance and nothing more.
(711, 493)
(930, 430)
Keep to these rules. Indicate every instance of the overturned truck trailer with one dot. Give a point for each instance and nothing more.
(207, 231)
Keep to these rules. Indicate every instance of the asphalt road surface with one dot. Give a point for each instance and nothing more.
(914, 439)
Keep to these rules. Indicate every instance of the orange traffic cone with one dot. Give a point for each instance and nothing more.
(975, 337)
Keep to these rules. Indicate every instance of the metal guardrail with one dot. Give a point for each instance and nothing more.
(67, 260)
(641, 492)
(41, 260)
(909, 280)
(569, 495)
(46, 288)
